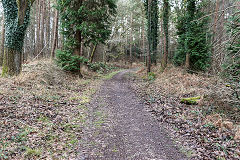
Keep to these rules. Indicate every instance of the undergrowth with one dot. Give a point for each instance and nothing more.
(216, 94)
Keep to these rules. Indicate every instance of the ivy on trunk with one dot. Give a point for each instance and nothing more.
(16, 13)
(151, 7)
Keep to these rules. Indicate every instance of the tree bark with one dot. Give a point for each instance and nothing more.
(43, 13)
(47, 35)
(55, 35)
(149, 43)
(2, 43)
(12, 62)
(78, 37)
(165, 26)
(187, 63)
(93, 53)
(78, 49)
(143, 39)
(14, 35)
(38, 27)
(131, 37)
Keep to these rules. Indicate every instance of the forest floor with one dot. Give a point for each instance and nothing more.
(46, 113)
(208, 130)
(43, 112)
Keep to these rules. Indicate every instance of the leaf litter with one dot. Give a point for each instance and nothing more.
(205, 131)
(42, 112)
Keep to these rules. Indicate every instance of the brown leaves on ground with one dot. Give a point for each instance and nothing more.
(206, 131)
(215, 93)
(42, 112)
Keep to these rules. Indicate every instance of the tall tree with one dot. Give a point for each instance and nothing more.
(193, 37)
(55, 34)
(191, 8)
(47, 35)
(16, 14)
(38, 19)
(131, 38)
(42, 31)
(166, 8)
(85, 22)
(152, 15)
(2, 43)
(149, 18)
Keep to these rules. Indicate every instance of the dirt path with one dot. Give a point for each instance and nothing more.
(120, 127)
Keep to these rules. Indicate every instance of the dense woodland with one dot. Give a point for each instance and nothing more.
(200, 35)
(133, 29)
(195, 37)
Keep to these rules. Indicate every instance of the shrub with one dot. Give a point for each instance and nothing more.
(98, 66)
(69, 62)
(151, 76)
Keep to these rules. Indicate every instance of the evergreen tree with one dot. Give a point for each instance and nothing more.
(192, 30)
(86, 22)
(166, 8)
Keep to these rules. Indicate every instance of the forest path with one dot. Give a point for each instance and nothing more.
(121, 128)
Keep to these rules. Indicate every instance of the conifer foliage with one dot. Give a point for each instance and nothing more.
(83, 23)
(193, 36)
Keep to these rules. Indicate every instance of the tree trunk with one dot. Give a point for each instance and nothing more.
(12, 62)
(191, 8)
(187, 63)
(165, 26)
(149, 43)
(78, 37)
(131, 39)
(47, 35)
(93, 53)
(78, 49)
(55, 35)
(14, 35)
(104, 54)
(2, 43)
(38, 14)
(33, 37)
(214, 55)
(143, 38)
(43, 14)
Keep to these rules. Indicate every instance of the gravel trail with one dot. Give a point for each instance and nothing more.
(121, 128)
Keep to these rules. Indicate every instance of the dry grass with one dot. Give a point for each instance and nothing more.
(42, 112)
(198, 128)
(176, 82)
